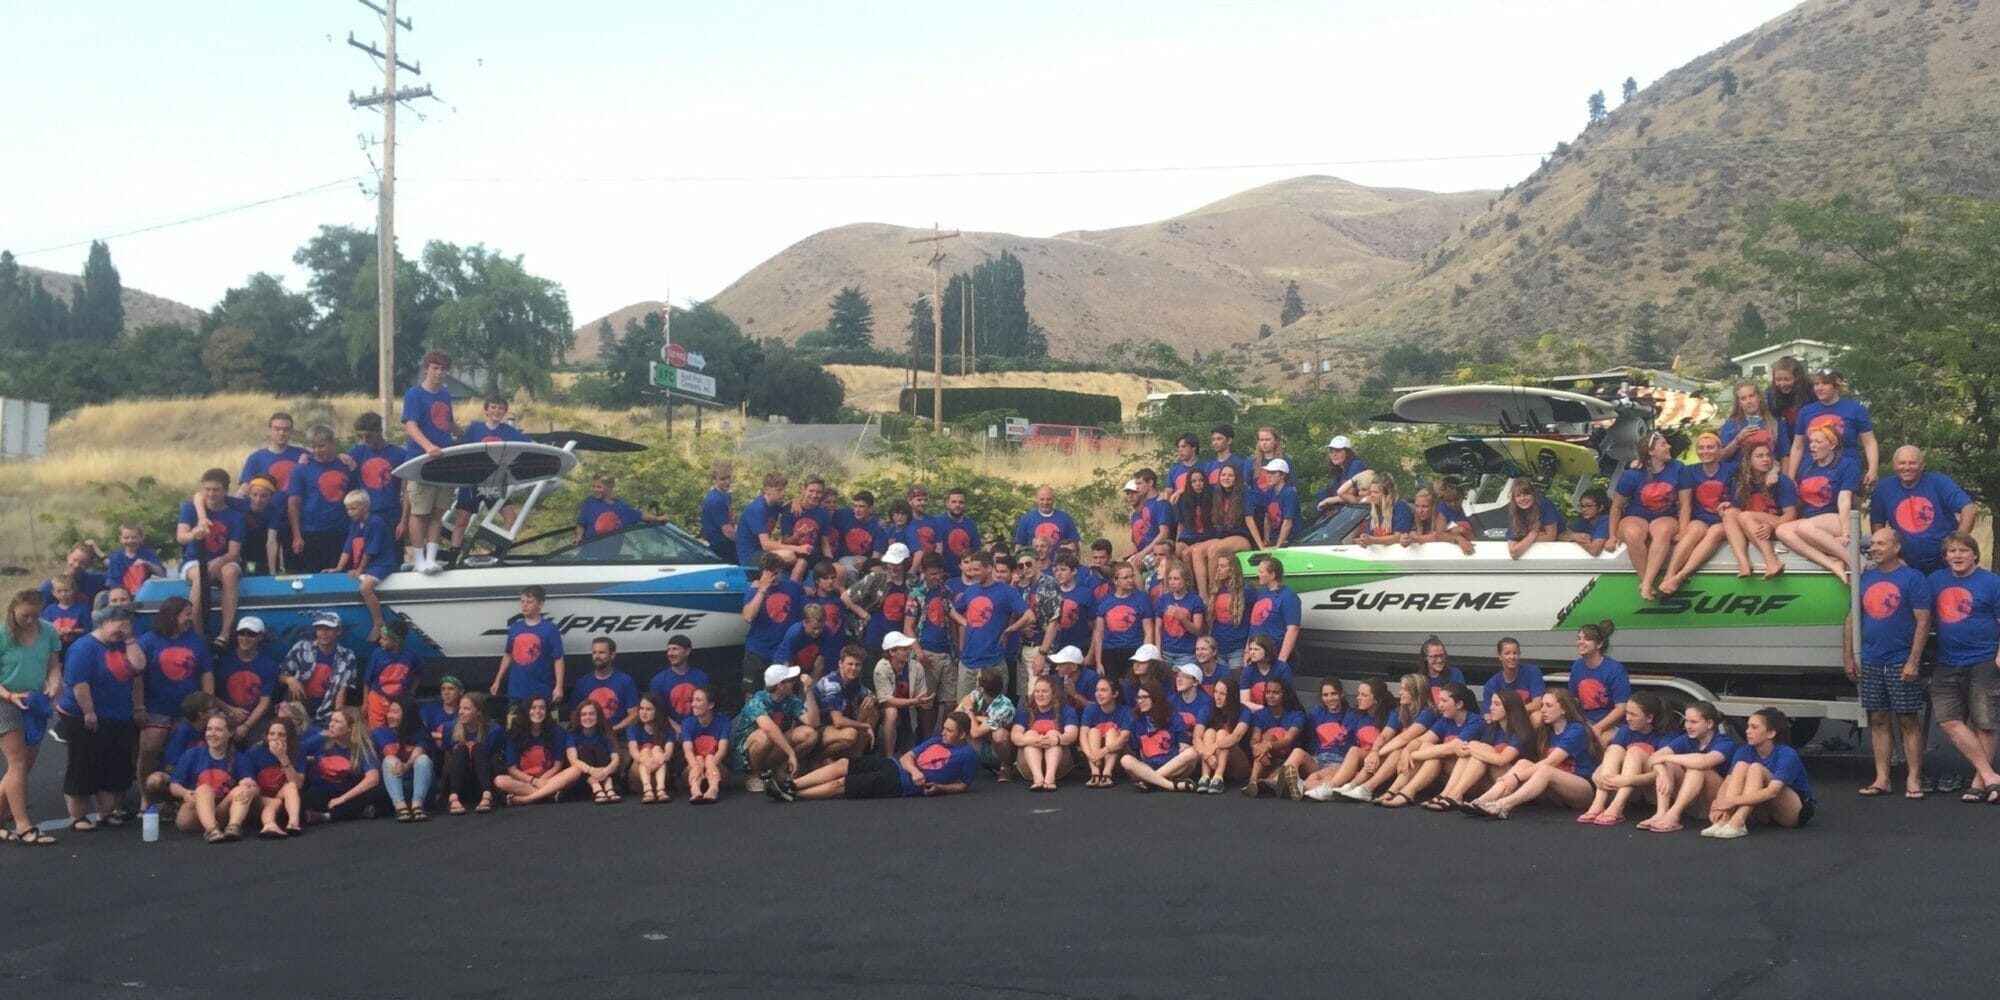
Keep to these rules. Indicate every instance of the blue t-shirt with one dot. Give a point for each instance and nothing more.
(590, 741)
(705, 739)
(887, 616)
(1628, 737)
(532, 651)
(1029, 719)
(197, 768)
(940, 765)
(804, 527)
(1773, 500)
(68, 618)
(678, 689)
(1922, 514)
(1402, 518)
(932, 609)
(1451, 675)
(1057, 525)
(224, 526)
(804, 650)
(1125, 619)
(321, 489)
(1820, 486)
(1156, 744)
(1277, 507)
(1229, 630)
(1574, 740)
(1527, 683)
(604, 517)
(988, 609)
(1719, 743)
(106, 670)
(833, 694)
(1599, 689)
(1251, 680)
(431, 412)
(1177, 474)
(1708, 490)
(1331, 732)
(615, 695)
(1177, 638)
(390, 744)
(1194, 709)
(538, 755)
(1785, 766)
(242, 684)
(333, 770)
(1889, 605)
(783, 603)
(1651, 495)
(376, 468)
(1076, 618)
(758, 517)
(715, 514)
(1597, 529)
(1095, 717)
(1967, 612)
(1848, 418)
(266, 770)
(1466, 731)
(183, 736)
(276, 464)
(856, 538)
(1273, 611)
(1146, 521)
(955, 539)
(174, 669)
(131, 572)
(1264, 722)
(371, 547)
(1777, 432)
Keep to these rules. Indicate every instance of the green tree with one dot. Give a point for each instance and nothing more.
(1750, 331)
(1294, 307)
(1647, 343)
(1597, 110)
(98, 314)
(799, 390)
(1909, 294)
(492, 312)
(165, 359)
(1001, 320)
(731, 358)
(1264, 331)
(851, 322)
(281, 345)
(1728, 88)
(1629, 91)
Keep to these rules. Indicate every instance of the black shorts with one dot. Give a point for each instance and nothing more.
(100, 761)
(1806, 810)
(593, 756)
(1115, 664)
(321, 551)
(872, 777)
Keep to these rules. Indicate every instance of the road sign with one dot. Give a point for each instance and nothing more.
(682, 380)
(696, 361)
(675, 355)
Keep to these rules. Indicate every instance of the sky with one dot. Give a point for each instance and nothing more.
(635, 150)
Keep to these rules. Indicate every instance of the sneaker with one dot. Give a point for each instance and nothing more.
(1288, 779)
(754, 784)
(1358, 793)
(1322, 793)
(788, 790)
(1709, 831)
(1254, 789)
(1728, 832)
(430, 567)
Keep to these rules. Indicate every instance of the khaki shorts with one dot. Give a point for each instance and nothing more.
(1965, 694)
(941, 673)
(427, 499)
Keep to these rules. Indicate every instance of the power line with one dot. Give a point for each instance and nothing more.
(201, 217)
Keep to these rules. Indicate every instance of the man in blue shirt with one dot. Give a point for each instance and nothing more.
(1923, 507)
(942, 765)
(429, 421)
(986, 612)
(1045, 521)
(1895, 621)
(718, 528)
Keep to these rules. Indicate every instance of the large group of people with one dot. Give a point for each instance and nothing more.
(900, 651)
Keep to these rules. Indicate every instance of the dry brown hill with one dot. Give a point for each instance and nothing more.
(1207, 277)
(142, 309)
(1874, 97)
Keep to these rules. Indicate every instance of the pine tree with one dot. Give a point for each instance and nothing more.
(1750, 331)
(1597, 111)
(851, 324)
(1629, 91)
(1294, 306)
(98, 314)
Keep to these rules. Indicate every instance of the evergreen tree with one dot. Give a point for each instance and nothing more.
(1000, 314)
(1750, 331)
(1647, 343)
(1597, 111)
(1294, 306)
(98, 315)
(851, 323)
(1264, 331)
(1629, 91)
(607, 338)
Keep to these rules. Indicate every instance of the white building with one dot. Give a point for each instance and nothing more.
(1811, 353)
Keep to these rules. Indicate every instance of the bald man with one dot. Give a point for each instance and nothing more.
(1922, 506)
(1045, 521)
(1895, 622)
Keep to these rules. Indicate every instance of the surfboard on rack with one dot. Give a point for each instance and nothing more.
(491, 465)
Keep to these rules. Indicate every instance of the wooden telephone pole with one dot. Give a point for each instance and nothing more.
(385, 224)
(936, 240)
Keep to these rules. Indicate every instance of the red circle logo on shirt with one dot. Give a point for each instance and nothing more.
(894, 605)
(1591, 694)
(1188, 720)
(119, 667)
(319, 680)
(606, 522)
(281, 473)
(1954, 605)
(525, 649)
(926, 536)
(607, 703)
(271, 780)
(1043, 724)
(217, 540)
(1172, 624)
(934, 611)
(177, 663)
(135, 577)
(1157, 743)
(1067, 619)
(1331, 734)
(1915, 515)
(357, 550)
(832, 616)
(214, 779)
(778, 607)
(1881, 599)
(1816, 490)
(1761, 503)
(704, 745)
(243, 688)
(1260, 611)
(1709, 494)
(1049, 530)
(332, 485)
(63, 624)
(681, 697)
(979, 611)
(959, 541)
(376, 472)
(1656, 496)
(334, 768)
(1121, 618)
(1365, 737)
(805, 531)
(440, 415)
(806, 655)
(934, 756)
(1274, 514)
(393, 680)
(1142, 527)
(534, 759)
(858, 541)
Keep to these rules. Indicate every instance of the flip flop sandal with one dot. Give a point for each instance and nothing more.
(270, 833)
(294, 831)
(9, 837)
(1609, 819)
(1871, 791)
(32, 838)
(83, 825)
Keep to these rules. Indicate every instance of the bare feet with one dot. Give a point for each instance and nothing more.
(1773, 570)
(1743, 571)
(1670, 584)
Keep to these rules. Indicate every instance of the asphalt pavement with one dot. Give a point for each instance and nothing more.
(1000, 892)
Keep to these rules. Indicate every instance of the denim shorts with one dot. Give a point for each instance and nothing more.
(1330, 758)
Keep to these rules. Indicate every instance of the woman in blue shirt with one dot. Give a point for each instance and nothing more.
(1646, 511)
(1123, 617)
(1104, 733)
(405, 749)
(1570, 755)
(649, 740)
(1323, 745)
(1689, 767)
(1591, 530)
(1367, 723)
(1390, 520)
(1827, 484)
(537, 757)
(1228, 611)
(1750, 423)
(1160, 753)
(1508, 734)
(1767, 781)
(1044, 733)
(594, 752)
(1274, 731)
(1598, 682)
(1628, 757)
(213, 784)
(1760, 499)
(1412, 718)
(1458, 722)
(1531, 518)
(471, 745)
(276, 765)
(1219, 741)
(1706, 485)
(342, 776)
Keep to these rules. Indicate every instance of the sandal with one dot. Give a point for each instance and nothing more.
(485, 803)
(454, 806)
(213, 836)
(1437, 804)
(270, 833)
(1992, 796)
(1142, 786)
(418, 815)
(1476, 808)
(1871, 791)
(598, 795)
(118, 817)
(232, 833)
(1664, 828)
(85, 825)
(31, 837)
(1609, 819)
(648, 798)
(1399, 800)
(403, 813)
(1184, 785)
(1975, 793)
(611, 795)
(294, 831)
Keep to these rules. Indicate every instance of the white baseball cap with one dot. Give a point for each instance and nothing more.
(1189, 669)
(1147, 652)
(250, 623)
(1340, 441)
(896, 640)
(778, 673)
(1278, 465)
(1131, 486)
(1067, 654)
(326, 619)
(897, 553)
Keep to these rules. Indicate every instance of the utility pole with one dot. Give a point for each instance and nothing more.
(964, 327)
(385, 224)
(972, 327)
(936, 240)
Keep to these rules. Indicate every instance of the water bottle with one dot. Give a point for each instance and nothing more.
(149, 825)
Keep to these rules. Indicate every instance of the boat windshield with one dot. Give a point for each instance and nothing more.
(1334, 528)
(640, 543)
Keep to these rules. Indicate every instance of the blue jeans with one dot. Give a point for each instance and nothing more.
(418, 777)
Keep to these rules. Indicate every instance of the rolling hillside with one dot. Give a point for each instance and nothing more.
(1200, 279)
(1874, 97)
(142, 309)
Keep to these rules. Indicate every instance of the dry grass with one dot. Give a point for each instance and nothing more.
(874, 389)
